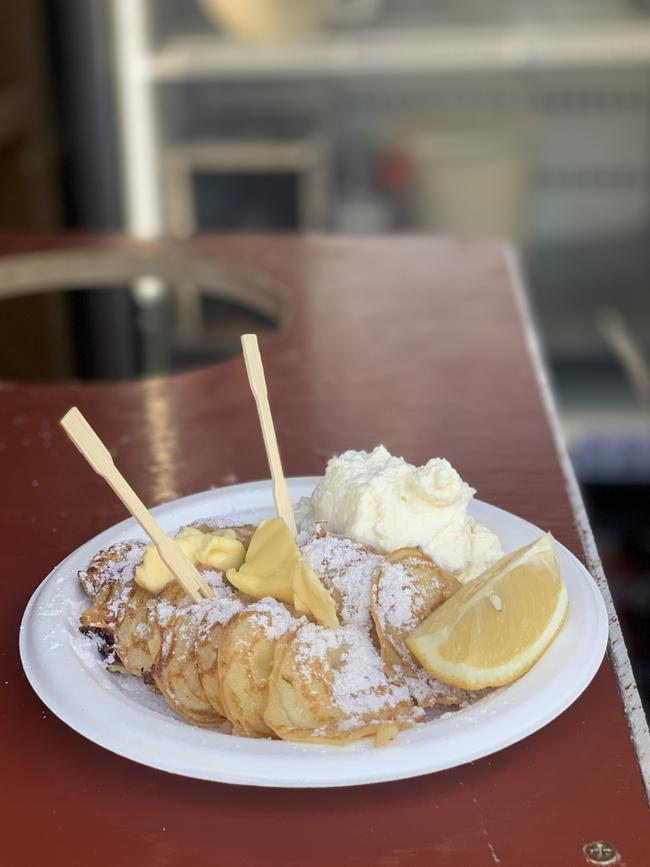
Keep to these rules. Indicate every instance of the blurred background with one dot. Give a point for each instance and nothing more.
(508, 118)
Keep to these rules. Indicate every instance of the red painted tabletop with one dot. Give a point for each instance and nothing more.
(414, 343)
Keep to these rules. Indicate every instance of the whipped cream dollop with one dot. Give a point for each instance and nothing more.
(387, 503)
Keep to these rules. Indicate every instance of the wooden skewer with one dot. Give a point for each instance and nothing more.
(257, 382)
(99, 458)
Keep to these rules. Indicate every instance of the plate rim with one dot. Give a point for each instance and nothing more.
(263, 486)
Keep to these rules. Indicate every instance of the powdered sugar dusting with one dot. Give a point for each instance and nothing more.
(163, 611)
(274, 617)
(219, 611)
(217, 580)
(360, 687)
(401, 600)
(115, 565)
(166, 644)
(209, 525)
(119, 599)
(395, 602)
(428, 692)
(346, 568)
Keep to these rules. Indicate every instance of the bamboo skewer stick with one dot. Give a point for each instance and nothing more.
(257, 382)
(99, 458)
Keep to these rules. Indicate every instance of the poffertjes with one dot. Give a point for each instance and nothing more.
(330, 686)
(245, 661)
(109, 570)
(161, 610)
(108, 581)
(259, 666)
(175, 672)
(177, 635)
(406, 587)
(346, 568)
(131, 632)
(213, 621)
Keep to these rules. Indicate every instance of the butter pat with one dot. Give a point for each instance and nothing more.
(207, 550)
(274, 567)
(311, 597)
(271, 561)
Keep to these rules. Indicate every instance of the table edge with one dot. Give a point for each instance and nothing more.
(627, 687)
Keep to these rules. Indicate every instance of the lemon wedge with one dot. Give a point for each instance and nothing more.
(497, 626)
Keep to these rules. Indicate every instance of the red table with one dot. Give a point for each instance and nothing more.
(415, 343)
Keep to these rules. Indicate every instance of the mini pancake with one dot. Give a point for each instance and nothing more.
(175, 672)
(346, 568)
(109, 570)
(162, 606)
(245, 660)
(215, 617)
(108, 581)
(330, 686)
(162, 609)
(131, 632)
(406, 587)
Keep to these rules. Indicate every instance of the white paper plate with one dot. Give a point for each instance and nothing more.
(121, 714)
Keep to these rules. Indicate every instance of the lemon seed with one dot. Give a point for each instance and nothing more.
(496, 601)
